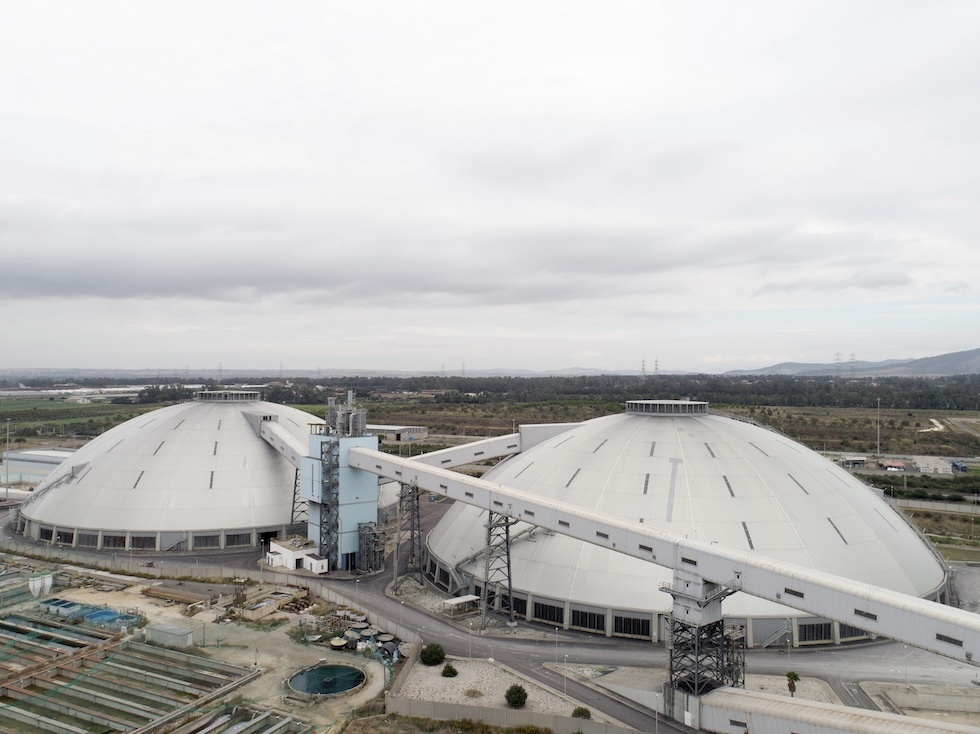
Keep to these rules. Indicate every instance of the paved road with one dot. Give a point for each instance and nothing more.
(527, 656)
(843, 667)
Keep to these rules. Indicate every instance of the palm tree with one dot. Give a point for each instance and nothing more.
(792, 678)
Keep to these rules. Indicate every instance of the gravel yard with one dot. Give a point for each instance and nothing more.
(480, 683)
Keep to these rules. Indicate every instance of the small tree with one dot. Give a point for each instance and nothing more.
(516, 696)
(792, 678)
(449, 671)
(581, 712)
(432, 654)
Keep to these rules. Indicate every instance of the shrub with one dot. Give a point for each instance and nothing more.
(432, 654)
(581, 712)
(448, 671)
(516, 696)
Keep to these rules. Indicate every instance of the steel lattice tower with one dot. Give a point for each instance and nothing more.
(370, 549)
(410, 514)
(697, 642)
(329, 502)
(300, 512)
(496, 568)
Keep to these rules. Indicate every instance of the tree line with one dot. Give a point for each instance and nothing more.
(961, 392)
(906, 393)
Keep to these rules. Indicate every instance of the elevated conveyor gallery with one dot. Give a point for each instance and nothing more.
(930, 626)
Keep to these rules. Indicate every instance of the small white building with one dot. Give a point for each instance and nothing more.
(168, 635)
(296, 553)
(401, 434)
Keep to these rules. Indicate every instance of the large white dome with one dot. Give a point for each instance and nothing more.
(195, 474)
(701, 476)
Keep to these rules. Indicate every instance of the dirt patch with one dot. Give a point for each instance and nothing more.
(480, 683)
(271, 650)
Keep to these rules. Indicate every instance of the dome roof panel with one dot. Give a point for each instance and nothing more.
(194, 466)
(702, 476)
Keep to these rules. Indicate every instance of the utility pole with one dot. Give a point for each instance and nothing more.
(879, 428)
(6, 466)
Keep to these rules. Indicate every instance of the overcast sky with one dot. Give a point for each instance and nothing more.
(534, 185)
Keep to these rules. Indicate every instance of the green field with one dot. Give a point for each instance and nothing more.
(43, 422)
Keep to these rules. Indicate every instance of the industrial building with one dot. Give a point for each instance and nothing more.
(675, 466)
(637, 524)
(229, 470)
(196, 475)
(224, 471)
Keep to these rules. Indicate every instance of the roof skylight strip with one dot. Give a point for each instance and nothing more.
(884, 518)
(748, 537)
(523, 470)
(797, 483)
(838, 531)
(836, 476)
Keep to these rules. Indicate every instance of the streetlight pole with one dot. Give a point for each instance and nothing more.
(401, 612)
(556, 646)
(564, 674)
(470, 655)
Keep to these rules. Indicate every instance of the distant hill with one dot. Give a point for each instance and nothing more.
(945, 365)
(156, 376)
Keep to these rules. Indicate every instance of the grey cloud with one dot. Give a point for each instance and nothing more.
(226, 252)
(833, 281)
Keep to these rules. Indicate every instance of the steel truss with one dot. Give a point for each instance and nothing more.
(697, 657)
(410, 510)
(299, 513)
(496, 568)
(735, 656)
(371, 547)
(705, 657)
(330, 502)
